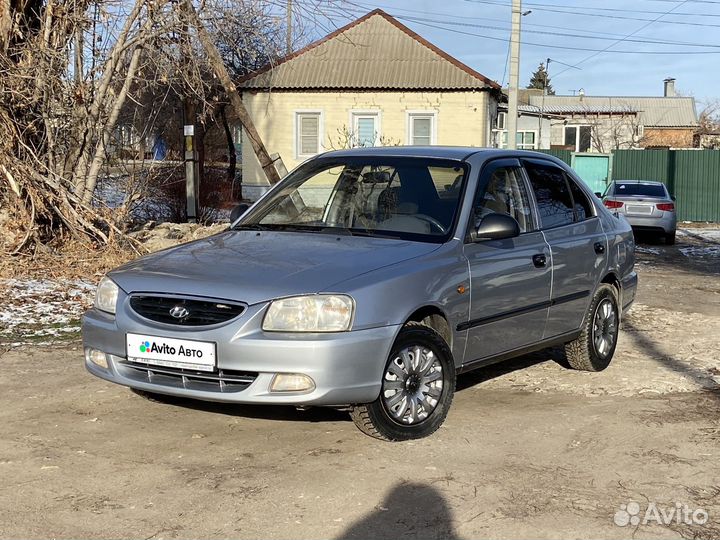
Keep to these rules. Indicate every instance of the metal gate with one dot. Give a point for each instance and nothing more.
(594, 169)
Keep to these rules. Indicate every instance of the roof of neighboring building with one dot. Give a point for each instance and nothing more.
(373, 52)
(652, 111)
(530, 110)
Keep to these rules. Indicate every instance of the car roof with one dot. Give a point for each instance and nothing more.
(458, 153)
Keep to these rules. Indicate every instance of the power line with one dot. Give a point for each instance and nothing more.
(627, 37)
(562, 47)
(564, 34)
(590, 34)
(595, 15)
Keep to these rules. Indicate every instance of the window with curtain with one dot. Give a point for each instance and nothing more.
(366, 130)
(421, 128)
(308, 134)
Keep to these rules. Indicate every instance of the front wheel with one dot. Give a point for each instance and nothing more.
(417, 388)
(595, 346)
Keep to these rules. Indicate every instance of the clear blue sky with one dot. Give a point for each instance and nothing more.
(475, 32)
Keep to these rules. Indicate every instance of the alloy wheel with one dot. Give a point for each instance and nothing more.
(605, 328)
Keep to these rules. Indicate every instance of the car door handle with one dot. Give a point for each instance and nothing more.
(599, 248)
(539, 260)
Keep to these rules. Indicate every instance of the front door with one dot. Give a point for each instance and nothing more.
(510, 279)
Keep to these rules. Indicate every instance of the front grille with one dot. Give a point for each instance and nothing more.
(199, 312)
(223, 380)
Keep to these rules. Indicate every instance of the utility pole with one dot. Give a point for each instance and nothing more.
(192, 173)
(288, 36)
(514, 74)
(542, 104)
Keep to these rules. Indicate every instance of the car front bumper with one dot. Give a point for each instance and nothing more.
(345, 367)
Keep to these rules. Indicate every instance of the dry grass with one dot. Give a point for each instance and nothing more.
(73, 261)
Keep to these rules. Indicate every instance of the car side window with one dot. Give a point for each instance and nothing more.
(554, 201)
(505, 193)
(583, 207)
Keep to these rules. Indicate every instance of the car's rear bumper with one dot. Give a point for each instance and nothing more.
(665, 224)
(346, 367)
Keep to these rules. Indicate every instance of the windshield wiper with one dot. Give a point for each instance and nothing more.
(250, 227)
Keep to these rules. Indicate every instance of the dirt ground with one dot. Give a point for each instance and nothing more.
(530, 449)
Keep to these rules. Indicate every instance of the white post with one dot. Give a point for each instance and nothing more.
(512, 117)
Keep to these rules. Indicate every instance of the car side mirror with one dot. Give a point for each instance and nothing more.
(598, 195)
(496, 227)
(238, 211)
(673, 197)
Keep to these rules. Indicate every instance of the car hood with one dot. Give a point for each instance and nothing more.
(253, 267)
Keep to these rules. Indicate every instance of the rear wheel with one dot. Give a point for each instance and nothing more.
(670, 238)
(417, 388)
(594, 348)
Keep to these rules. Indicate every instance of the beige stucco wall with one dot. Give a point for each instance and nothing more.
(463, 118)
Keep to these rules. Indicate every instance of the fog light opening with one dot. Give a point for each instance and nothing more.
(97, 357)
(291, 382)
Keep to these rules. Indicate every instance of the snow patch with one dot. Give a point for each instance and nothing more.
(33, 308)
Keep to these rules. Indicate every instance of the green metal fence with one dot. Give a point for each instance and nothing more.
(693, 176)
(564, 155)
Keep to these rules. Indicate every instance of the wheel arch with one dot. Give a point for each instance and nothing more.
(611, 278)
(434, 317)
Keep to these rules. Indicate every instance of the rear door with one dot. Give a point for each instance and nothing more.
(577, 243)
(510, 279)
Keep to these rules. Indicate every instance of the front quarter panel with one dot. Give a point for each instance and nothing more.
(390, 295)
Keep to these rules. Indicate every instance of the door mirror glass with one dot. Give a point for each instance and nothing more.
(496, 227)
(238, 211)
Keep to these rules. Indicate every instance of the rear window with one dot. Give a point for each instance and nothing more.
(634, 188)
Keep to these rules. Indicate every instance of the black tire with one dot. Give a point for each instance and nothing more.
(583, 353)
(376, 420)
(670, 238)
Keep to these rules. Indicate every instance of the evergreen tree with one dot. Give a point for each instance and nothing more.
(540, 80)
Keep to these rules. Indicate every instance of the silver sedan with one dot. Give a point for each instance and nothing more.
(368, 279)
(648, 206)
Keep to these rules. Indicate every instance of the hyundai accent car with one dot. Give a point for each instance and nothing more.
(366, 280)
(648, 206)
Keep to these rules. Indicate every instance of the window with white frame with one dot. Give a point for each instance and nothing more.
(421, 128)
(366, 128)
(308, 132)
(578, 137)
(500, 121)
(525, 140)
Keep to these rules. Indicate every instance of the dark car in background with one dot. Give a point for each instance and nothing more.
(648, 206)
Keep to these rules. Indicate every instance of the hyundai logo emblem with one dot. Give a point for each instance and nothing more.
(179, 312)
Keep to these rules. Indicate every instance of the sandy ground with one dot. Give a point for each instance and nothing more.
(530, 449)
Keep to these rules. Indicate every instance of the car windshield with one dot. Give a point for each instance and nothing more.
(636, 188)
(399, 197)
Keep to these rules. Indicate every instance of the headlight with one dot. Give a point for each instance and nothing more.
(313, 313)
(106, 295)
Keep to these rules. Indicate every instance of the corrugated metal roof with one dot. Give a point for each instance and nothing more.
(652, 111)
(373, 52)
